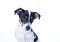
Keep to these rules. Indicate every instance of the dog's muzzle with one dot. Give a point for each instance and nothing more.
(27, 27)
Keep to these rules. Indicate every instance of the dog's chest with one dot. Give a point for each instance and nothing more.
(21, 33)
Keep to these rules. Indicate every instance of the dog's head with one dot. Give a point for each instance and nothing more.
(25, 17)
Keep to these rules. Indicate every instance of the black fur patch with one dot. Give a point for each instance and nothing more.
(31, 30)
(36, 38)
(32, 17)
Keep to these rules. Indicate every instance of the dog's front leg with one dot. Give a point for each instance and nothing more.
(29, 37)
(29, 40)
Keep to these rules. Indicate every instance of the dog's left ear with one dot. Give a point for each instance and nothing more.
(37, 15)
(18, 10)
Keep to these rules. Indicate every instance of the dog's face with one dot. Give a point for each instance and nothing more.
(25, 17)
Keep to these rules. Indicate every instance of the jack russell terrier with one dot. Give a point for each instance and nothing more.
(24, 32)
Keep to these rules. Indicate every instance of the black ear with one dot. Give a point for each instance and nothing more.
(18, 10)
(37, 15)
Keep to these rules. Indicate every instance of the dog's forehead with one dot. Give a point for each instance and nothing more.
(25, 12)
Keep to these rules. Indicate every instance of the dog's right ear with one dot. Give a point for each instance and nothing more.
(19, 10)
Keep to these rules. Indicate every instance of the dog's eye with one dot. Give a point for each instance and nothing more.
(26, 17)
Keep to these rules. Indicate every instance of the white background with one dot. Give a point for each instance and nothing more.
(47, 28)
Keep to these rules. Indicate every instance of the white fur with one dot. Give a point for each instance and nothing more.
(22, 35)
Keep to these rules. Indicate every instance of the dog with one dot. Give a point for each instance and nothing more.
(24, 31)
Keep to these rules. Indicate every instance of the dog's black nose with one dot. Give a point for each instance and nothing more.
(27, 27)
